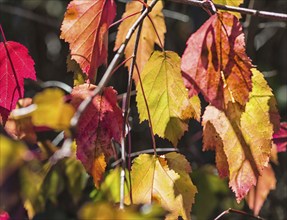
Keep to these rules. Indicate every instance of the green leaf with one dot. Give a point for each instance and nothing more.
(166, 95)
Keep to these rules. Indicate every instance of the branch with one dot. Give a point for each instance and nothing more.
(239, 213)
(254, 12)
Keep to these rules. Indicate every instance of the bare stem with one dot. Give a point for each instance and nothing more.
(254, 12)
(239, 212)
(156, 32)
(122, 19)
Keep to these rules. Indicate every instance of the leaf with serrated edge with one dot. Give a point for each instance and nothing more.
(166, 95)
(148, 37)
(85, 28)
(101, 123)
(11, 86)
(164, 179)
(215, 61)
(247, 149)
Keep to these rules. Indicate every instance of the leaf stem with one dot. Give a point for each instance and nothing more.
(122, 19)
(148, 112)
(126, 103)
(254, 12)
(239, 212)
(159, 40)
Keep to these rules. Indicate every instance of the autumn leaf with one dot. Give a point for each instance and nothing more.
(148, 37)
(101, 123)
(13, 155)
(216, 63)
(85, 28)
(22, 129)
(104, 210)
(280, 137)
(166, 96)
(258, 194)
(245, 150)
(48, 109)
(15, 66)
(79, 76)
(164, 179)
(235, 3)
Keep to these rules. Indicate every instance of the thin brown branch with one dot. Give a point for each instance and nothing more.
(239, 212)
(156, 32)
(254, 12)
(126, 114)
(148, 151)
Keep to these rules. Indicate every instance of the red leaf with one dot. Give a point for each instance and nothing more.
(280, 137)
(12, 83)
(215, 61)
(101, 122)
(4, 215)
(85, 28)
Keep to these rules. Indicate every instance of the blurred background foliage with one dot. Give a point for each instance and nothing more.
(60, 191)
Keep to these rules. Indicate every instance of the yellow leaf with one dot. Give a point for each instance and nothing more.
(234, 3)
(12, 156)
(166, 95)
(49, 109)
(243, 135)
(148, 36)
(166, 180)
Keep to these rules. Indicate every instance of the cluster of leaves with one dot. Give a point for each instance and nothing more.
(213, 65)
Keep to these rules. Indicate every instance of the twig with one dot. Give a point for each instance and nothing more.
(122, 19)
(237, 212)
(126, 112)
(156, 32)
(148, 151)
(254, 12)
(121, 96)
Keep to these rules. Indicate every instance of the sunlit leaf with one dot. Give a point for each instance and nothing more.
(85, 28)
(101, 123)
(235, 3)
(148, 37)
(258, 194)
(11, 85)
(111, 185)
(166, 180)
(49, 109)
(244, 149)
(167, 98)
(215, 61)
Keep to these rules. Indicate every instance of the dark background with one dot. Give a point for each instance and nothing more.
(36, 24)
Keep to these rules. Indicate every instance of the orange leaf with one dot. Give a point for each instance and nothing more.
(148, 36)
(216, 63)
(85, 28)
(258, 194)
(98, 168)
(243, 150)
